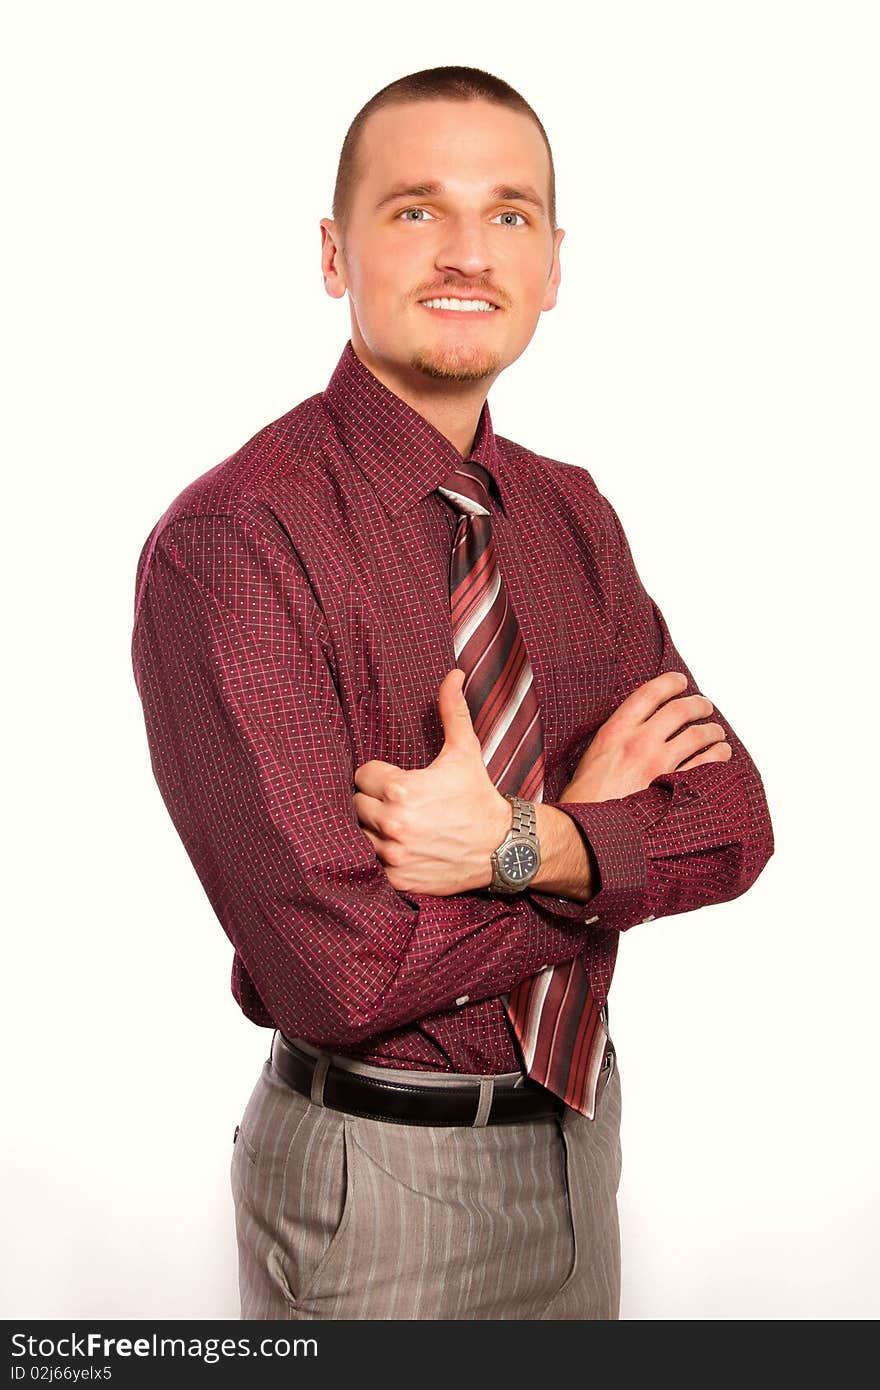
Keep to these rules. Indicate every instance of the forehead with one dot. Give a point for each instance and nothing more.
(453, 142)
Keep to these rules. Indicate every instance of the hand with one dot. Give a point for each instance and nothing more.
(434, 828)
(636, 743)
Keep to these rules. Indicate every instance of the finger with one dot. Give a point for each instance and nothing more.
(372, 777)
(647, 698)
(694, 740)
(454, 711)
(380, 846)
(681, 710)
(718, 753)
(368, 809)
(373, 839)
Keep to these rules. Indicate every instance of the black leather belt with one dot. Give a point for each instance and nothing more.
(417, 1103)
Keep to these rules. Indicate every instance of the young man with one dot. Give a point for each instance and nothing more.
(430, 747)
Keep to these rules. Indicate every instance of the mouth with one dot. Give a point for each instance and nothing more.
(451, 307)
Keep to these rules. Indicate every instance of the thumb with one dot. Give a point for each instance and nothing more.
(458, 730)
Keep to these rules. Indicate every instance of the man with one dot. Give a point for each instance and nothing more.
(430, 747)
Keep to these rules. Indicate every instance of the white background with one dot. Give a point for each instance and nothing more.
(713, 360)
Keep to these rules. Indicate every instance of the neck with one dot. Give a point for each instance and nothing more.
(452, 407)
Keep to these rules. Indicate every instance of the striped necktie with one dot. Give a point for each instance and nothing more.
(559, 1026)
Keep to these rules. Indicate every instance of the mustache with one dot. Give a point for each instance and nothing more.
(463, 292)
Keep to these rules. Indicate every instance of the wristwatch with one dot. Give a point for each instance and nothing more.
(516, 860)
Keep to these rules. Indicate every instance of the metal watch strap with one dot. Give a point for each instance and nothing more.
(524, 827)
(525, 820)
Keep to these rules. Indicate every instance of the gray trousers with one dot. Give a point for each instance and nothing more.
(343, 1217)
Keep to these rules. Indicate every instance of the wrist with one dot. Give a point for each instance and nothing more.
(498, 825)
(566, 868)
(501, 820)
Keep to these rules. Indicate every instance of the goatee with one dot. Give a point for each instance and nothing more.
(454, 366)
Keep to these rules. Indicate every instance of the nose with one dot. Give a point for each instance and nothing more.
(464, 248)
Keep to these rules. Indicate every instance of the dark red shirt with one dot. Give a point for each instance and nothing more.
(292, 622)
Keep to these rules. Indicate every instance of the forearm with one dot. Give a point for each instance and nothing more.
(567, 867)
(690, 839)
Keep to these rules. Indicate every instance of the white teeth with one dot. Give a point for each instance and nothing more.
(472, 306)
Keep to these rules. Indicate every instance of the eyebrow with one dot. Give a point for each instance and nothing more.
(502, 192)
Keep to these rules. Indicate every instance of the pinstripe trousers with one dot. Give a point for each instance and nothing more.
(340, 1216)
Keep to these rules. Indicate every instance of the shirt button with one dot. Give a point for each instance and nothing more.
(462, 999)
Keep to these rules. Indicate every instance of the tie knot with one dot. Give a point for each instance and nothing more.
(467, 488)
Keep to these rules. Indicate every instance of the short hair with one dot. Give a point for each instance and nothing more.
(431, 84)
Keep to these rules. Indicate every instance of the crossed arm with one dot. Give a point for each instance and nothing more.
(251, 752)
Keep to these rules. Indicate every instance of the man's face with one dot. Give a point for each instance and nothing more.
(472, 236)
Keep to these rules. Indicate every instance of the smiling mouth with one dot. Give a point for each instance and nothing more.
(452, 305)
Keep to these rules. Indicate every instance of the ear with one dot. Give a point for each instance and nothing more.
(332, 259)
(549, 300)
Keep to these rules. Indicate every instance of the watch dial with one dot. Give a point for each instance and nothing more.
(519, 862)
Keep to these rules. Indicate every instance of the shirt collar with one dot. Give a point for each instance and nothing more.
(404, 456)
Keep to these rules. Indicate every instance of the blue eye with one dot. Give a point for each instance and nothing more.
(404, 215)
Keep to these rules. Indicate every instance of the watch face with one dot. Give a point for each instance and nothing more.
(518, 862)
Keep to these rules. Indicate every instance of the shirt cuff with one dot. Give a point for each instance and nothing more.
(615, 842)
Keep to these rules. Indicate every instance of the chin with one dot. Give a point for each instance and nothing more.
(472, 363)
